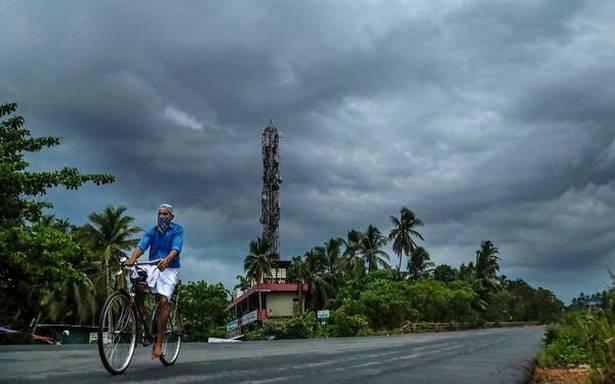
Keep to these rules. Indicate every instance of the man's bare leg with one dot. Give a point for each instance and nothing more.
(163, 317)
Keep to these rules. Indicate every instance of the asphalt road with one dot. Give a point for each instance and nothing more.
(479, 356)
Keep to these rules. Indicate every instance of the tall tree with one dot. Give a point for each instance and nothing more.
(333, 260)
(467, 272)
(203, 310)
(403, 233)
(486, 268)
(243, 283)
(419, 263)
(36, 259)
(318, 278)
(259, 262)
(353, 264)
(76, 302)
(110, 235)
(370, 248)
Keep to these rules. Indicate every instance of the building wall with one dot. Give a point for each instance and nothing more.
(281, 303)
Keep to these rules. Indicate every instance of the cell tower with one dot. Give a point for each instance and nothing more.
(270, 199)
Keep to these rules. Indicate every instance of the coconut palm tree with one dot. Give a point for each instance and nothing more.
(467, 273)
(486, 268)
(354, 265)
(110, 235)
(370, 248)
(243, 283)
(332, 259)
(419, 263)
(76, 301)
(318, 278)
(403, 233)
(259, 262)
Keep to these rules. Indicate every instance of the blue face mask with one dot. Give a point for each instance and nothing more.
(163, 224)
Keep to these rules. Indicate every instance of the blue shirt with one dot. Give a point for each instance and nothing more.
(161, 244)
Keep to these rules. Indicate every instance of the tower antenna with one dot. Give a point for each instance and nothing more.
(270, 198)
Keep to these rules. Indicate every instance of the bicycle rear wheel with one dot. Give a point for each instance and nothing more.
(171, 343)
(117, 332)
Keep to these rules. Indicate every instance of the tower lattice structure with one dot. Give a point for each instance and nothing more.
(270, 199)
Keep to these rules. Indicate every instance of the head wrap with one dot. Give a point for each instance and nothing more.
(163, 222)
(169, 207)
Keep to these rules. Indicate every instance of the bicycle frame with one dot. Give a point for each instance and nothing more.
(123, 315)
(145, 333)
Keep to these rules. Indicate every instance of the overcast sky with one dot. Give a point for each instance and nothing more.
(489, 119)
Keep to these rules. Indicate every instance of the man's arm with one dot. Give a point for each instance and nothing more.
(167, 260)
(135, 255)
(176, 248)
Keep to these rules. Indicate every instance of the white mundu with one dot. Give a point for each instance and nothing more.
(161, 282)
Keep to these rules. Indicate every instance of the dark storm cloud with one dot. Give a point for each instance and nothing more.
(492, 120)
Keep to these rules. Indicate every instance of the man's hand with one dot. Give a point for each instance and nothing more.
(136, 253)
(163, 263)
(130, 261)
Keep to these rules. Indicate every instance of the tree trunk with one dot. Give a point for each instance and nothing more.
(260, 299)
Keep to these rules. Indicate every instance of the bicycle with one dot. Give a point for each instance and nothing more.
(121, 324)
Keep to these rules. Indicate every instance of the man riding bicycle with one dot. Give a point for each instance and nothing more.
(165, 242)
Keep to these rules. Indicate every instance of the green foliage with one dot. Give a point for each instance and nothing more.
(298, 327)
(562, 353)
(384, 303)
(403, 233)
(419, 264)
(445, 273)
(486, 268)
(370, 247)
(584, 337)
(354, 265)
(203, 309)
(600, 330)
(18, 183)
(565, 345)
(518, 301)
(437, 301)
(346, 325)
(601, 348)
(389, 304)
(109, 234)
(259, 262)
(37, 262)
(39, 259)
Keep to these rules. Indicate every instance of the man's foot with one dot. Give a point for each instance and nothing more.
(156, 351)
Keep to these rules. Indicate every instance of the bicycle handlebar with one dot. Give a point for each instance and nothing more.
(137, 263)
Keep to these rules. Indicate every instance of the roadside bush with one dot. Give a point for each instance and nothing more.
(565, 345)
(600, 330)
(344, 325)
(299, 327)
(437, 301)
(601, 349)
(562, 352)
(303, 327)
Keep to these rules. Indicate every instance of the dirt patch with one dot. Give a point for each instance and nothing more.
(560, 376)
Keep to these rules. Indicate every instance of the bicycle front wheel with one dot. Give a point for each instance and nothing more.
(172, 336)
(117, 332)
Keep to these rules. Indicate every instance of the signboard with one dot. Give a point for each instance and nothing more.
(231, 326)
(322, 314)
(249, 317)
